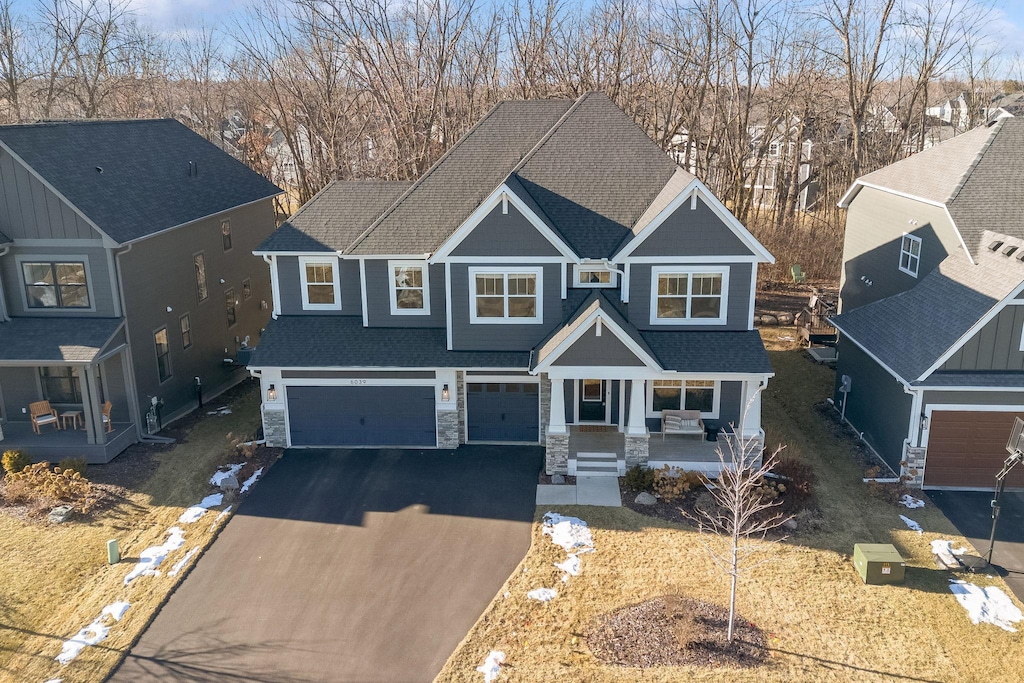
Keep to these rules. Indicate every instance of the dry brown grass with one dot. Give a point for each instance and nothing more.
(823, 623)
(55, 579)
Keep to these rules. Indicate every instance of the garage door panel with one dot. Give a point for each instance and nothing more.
(966, 449)
(503, 411)
(362, 416)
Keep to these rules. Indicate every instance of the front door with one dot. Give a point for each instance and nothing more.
(593, 400)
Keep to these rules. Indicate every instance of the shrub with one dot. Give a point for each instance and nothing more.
(73, 464)
(799, 482)
(15, 461)
(38, 483)
(672, 484)
(639, 478)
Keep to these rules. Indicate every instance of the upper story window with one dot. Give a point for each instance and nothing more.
(55, 284)
(501, 295)
(689, 296)
(231, 307)
(320, 287)
(910, 254)
(225, 234)
(594, 275)
(185, 323)
(163, 354)
(410, 289)
(689, 394)
(202, 291)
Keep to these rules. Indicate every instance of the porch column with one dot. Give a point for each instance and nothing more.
(637, 437)
(556, 447)
(556, 418)
(750, 409)
(91, 413)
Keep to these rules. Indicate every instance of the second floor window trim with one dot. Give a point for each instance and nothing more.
(56, 283)
(163, 354)
(409, 287)
(515, 293)
(689, 295)
(202, 288)
(910, 254)
(594, 274)
(321, 289)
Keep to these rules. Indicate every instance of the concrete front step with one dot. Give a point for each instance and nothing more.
(597, 464)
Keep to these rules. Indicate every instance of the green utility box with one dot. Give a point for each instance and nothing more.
(878, 563)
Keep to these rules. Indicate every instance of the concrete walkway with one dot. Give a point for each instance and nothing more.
(598, 491)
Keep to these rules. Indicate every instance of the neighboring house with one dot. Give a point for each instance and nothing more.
(126, 275)
(952, 109)
(1005, 105)
(553, 279)
(932, 308)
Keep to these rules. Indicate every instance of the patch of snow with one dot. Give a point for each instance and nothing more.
(195, 512)
(116, 610)
(542, 594)
(908, 501)
(571, 566)
(251, 480)
(986, 605)
(152, 556)
(91, 634)
(570, 533)
(912, 525)
(492, 666)
(946, 553)
(253, 443)
(221, 474)
(55, 680)
(180, 564)
(222, 515)
(223, 410)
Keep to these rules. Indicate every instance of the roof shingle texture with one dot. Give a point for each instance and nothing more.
(145, 185)
(61, 340)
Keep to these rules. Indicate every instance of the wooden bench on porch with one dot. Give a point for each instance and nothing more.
(685, 422)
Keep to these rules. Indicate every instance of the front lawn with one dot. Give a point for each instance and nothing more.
(822, 623)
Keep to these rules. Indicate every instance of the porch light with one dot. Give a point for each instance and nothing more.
(445, 394)
(271, 393)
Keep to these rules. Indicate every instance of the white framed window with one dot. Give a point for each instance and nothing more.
(56, 282)
(684, 394)
(910, 254)
(321, 290)
(594, 275)
(410, 288)
(689, 296)
(504, 295)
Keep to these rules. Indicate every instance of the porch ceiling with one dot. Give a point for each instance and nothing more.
(27, 341)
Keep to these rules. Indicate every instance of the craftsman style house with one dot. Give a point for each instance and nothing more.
(932, 308)
(127, 280)
(555, 278)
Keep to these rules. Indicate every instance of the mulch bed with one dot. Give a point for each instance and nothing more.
(674, 630)
(670, 512)
(546, 479)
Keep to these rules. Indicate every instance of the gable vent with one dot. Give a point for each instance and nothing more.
(995, 245)
(1008, 251)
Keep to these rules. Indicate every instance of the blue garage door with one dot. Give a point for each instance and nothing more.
(503, 412)
(362, 416)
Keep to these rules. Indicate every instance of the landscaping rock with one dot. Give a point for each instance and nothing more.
(769, 319)
(644, 498)
(790, 524)
(557, 478)
(59, 514)
(785, 318)
(229, 483)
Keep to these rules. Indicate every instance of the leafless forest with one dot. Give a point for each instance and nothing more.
(776, 104)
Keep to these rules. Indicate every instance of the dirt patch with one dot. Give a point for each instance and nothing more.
(674, 630)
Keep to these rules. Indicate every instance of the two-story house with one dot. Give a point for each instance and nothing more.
(555, 278)
(931, 354)
(126, 278)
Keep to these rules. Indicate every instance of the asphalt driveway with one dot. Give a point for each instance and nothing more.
(970, 511)
(348, 565)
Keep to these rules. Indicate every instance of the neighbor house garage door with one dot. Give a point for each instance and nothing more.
(501, 411)
(966, 449)
(362, 416)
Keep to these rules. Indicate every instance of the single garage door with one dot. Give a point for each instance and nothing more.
(500, 411)
(362, 416)
(966, 449)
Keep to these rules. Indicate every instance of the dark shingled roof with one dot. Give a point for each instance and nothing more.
(48, 340)
(336, 216)
(342, 341)
(145, 185)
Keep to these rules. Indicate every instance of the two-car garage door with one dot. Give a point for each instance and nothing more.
(362, 416)
(966, 449)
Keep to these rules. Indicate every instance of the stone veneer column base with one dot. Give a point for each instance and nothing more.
(556, 454)
(912, 467)
(637, 450)
(275, 431)
(447, 428)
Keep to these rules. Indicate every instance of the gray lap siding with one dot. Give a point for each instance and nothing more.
(378, 298)
(289, 282)
(737, 305)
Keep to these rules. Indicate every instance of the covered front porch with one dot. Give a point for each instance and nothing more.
(675, 450)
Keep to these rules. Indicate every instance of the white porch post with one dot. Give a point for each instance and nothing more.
(556, 418)
(750, 409)
(637, 424)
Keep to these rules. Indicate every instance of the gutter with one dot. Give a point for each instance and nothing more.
(4, 318)
(133, 407)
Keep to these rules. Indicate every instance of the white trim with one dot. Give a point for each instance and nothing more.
(591, 266)
(716, 397)
(1021, 345)
(501, 194)
(591, 320)
(368, 381)
(691, 259)
(625, 282)
(448, 304)
(715, 205)
(506, 271)
(960, 407)
(871, 355)
(991, 389)
(332, 260)
(393, 294)
(690, 271)
(914, 427)
(565, 280)
(487, 260)
(362, 292)
(20, 259)
(753, 296)
(914, 239)
(501, 379)
(275, 286)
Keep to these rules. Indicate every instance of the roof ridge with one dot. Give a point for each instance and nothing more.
(61, 122)
(996, 127)
(547, 136)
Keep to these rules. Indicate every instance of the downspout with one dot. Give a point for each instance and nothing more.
(4, 318)
(274, 293)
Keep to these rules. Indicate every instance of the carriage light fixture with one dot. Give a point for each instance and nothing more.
(445, 394)
(271, 393)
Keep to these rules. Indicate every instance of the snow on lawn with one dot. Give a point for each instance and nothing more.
(946, 553)
(908, 501)
(220, 475)
(222, 515)
(180, 564)
(492, 666)
(93, 633)
(247, 484)
(912, 525)
(571, 533)
(990, 605)
(571, 566)
(195, 512)
(152, 556)
(543, 594)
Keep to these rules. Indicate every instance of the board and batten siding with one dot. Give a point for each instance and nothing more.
(289, 282)
(19, 386)
(875, 223)
(996, 346)
(99, 278)
(737, 306)
(30, 210)
(378, 298)
(508, 234)
(693, 232)
(593, 351)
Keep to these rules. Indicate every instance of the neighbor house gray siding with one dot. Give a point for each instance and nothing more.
(378, 298)
(289, 282)
(159, 274)
(996, 346)
(19, 386)
(99, 278)
(738, 304)
(603, 351)
(503, 337)
(875, 223)
(877, 405)
(30, 210)
(692, 232)
(501, 234)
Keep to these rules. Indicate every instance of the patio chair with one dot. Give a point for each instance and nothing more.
(42, 414)
(681, 422)
(107, 422)
(799, 276)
